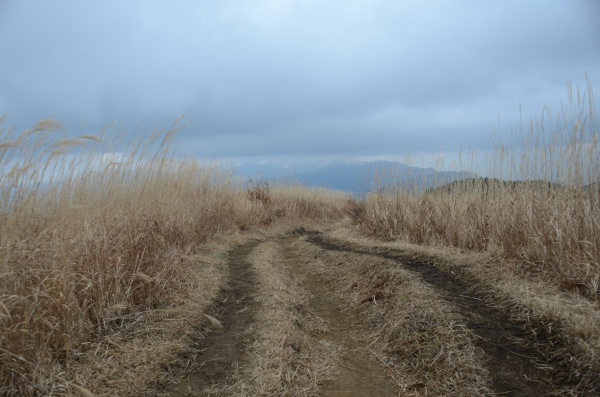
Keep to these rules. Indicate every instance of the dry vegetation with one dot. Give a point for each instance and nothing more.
(548, 220)
(107, 250)
(529, 235)
(98, 230)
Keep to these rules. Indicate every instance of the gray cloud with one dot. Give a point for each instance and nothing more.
(295, 77)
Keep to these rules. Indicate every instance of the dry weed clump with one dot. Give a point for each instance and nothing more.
(267, 203)
(284, 360)
(416, 333)
(541, 209)
(98, 229)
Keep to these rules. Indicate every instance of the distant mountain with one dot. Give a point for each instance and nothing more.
(379, 175)
(361, 177)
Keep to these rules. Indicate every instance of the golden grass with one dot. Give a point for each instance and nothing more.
(530, 233)
(147, 353)
(547, 216)
(98, 235)
(96, 230)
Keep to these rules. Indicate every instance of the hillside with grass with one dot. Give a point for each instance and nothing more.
(127, 269)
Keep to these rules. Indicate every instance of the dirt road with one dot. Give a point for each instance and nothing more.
(306, 314)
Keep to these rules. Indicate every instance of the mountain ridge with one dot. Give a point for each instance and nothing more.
(360, 177)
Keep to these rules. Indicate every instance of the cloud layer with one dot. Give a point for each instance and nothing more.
(296, 78)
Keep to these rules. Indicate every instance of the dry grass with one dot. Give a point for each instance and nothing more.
(97, 230)
(548, 220)
(415, 333)
(98, 236)
(142, 356)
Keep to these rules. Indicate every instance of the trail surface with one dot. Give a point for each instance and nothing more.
(223, 350)
(359, 373)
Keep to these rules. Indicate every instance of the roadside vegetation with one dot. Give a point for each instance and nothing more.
(539, 204)
(533, 225)
(96, 231)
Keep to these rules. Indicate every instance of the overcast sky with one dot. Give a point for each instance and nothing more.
(308, 78)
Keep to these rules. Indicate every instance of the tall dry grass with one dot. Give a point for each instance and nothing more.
(96, 229)
(540, 205)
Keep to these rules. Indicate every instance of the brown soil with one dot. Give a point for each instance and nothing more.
(359, 373)
(516, 366)
(223, 350)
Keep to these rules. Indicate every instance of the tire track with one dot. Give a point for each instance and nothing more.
(223, 350)
(514, 363)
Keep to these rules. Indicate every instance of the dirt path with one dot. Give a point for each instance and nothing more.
(223, 350)
(515, 366)
(359, 373)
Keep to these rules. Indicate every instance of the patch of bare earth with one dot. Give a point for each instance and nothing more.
(291, 335)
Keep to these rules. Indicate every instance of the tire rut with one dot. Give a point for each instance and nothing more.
(514, 364)
(359, 373)
(223, 350)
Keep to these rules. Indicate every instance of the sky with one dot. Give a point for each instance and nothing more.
(296, 80)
